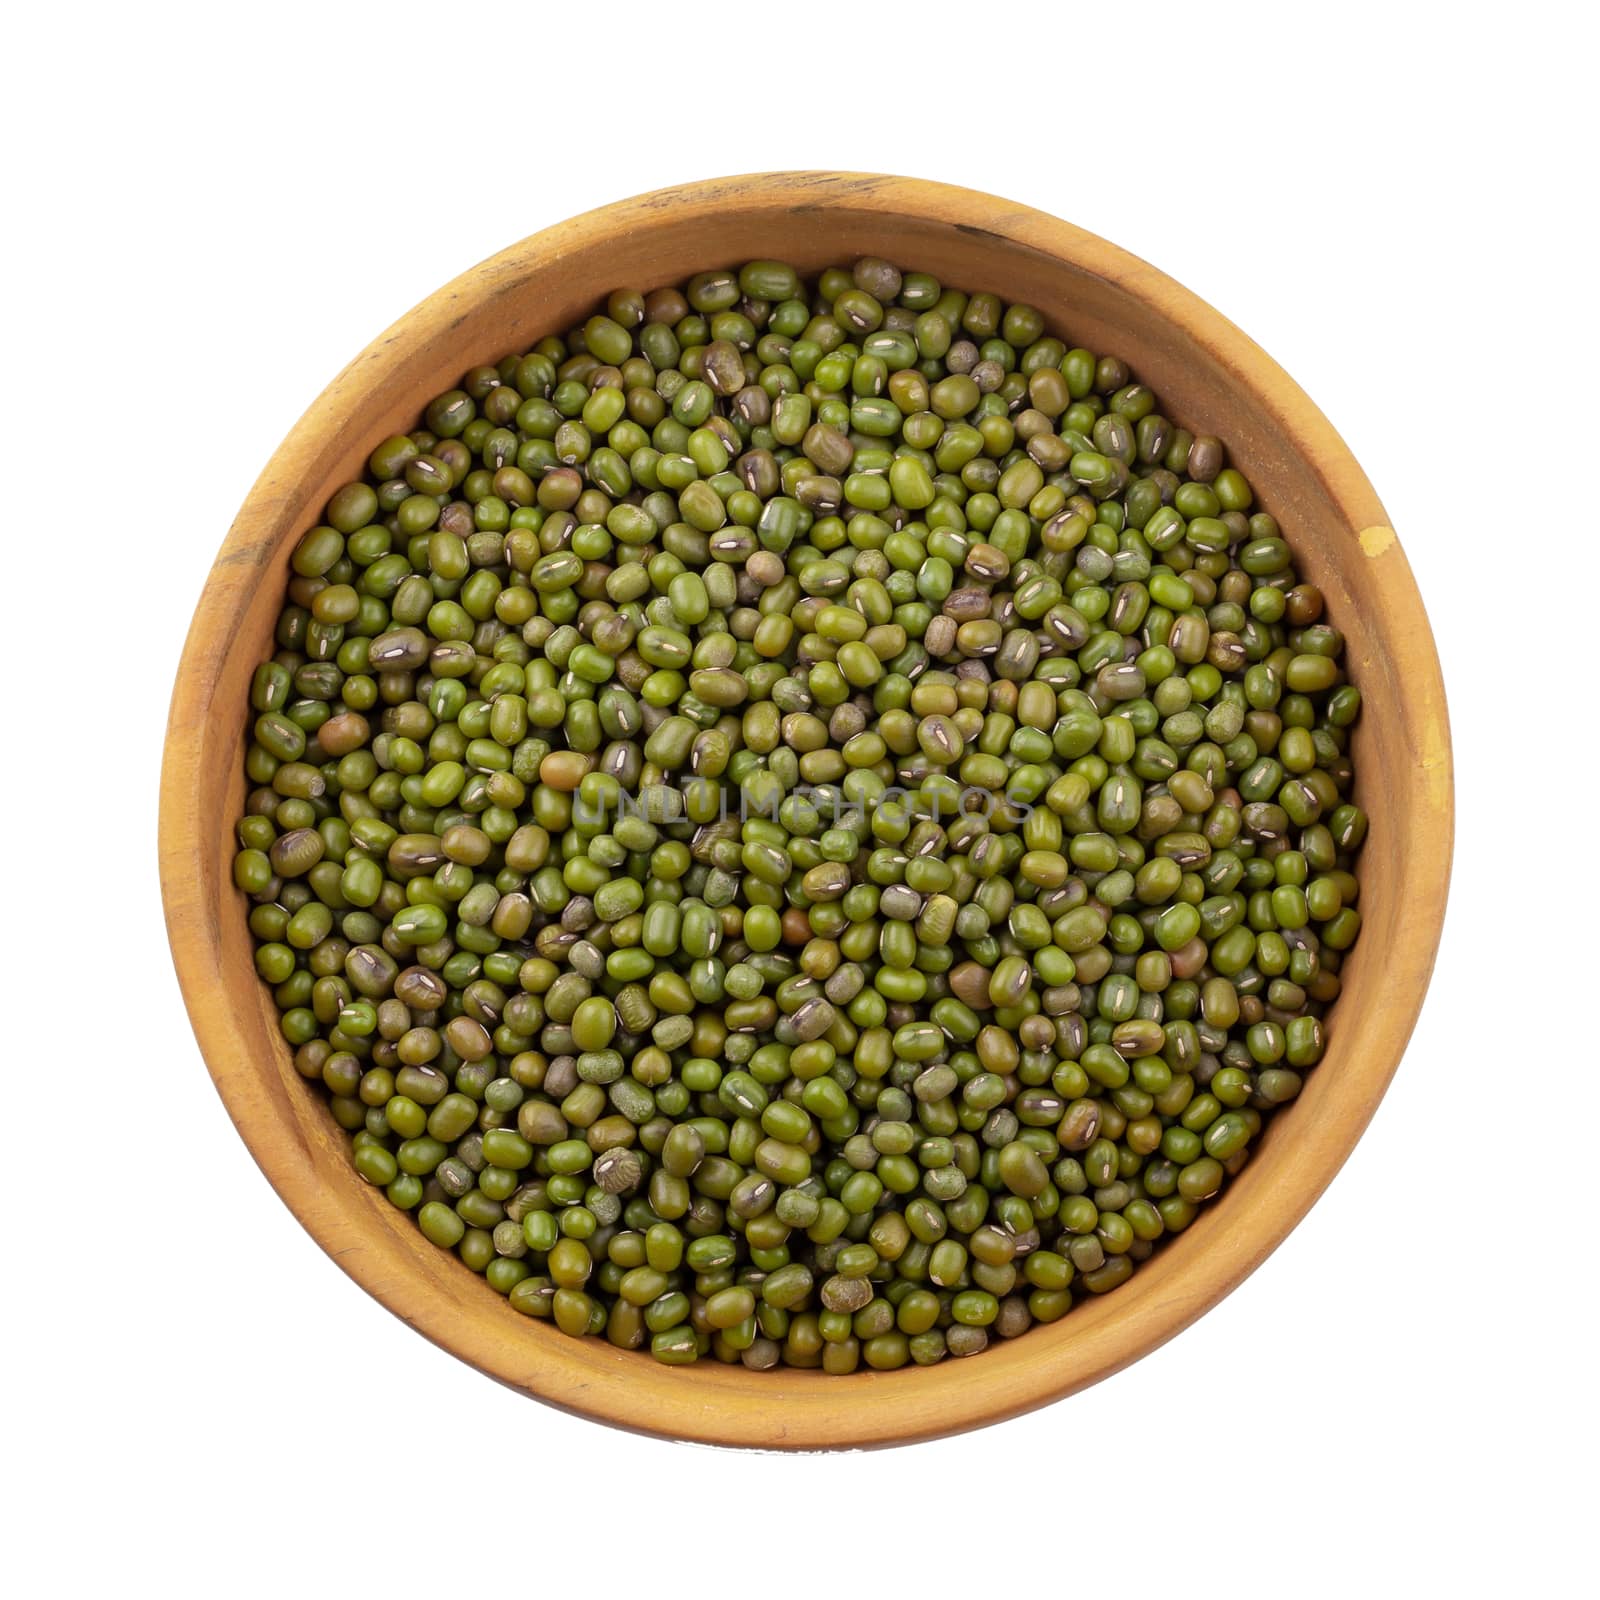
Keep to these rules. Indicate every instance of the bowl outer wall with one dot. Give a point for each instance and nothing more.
(1209, 376)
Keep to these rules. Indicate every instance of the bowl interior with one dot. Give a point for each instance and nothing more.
(1207, 376)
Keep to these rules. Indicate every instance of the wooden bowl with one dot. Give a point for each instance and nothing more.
(1210, 377)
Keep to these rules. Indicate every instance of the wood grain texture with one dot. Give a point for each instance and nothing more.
(1210, 377)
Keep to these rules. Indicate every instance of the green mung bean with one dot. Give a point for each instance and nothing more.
(801, 822)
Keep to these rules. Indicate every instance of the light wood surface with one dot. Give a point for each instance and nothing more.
(1208, 376)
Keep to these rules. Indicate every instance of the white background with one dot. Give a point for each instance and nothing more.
(209, 212)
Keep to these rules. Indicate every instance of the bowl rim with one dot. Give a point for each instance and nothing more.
(711, 1403)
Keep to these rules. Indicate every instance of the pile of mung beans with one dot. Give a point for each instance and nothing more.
(801, 823)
